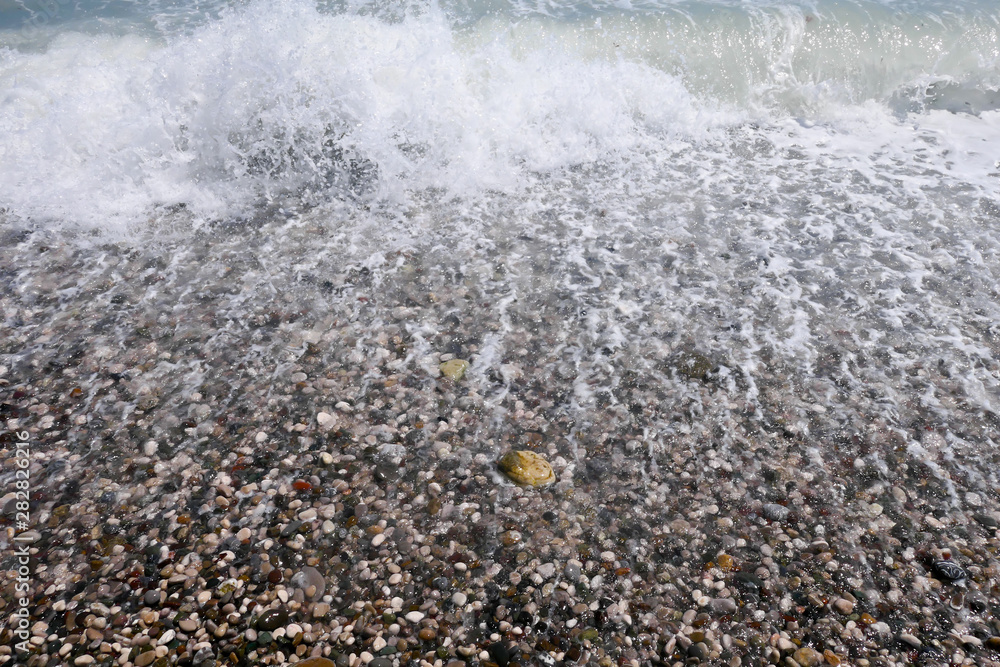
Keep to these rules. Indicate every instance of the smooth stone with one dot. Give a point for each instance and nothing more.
(272, 619)
(808, 657)
(693, 365)
(724, 605)
(414, 616)
(317, 662)
(454, 369)
(526, 468)
(776, 512)
(948, 570)
(380, 662)
(910, 639)
(845, 607)
(546, 570)
(459, 599)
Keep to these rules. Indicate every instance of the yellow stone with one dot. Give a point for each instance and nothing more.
(808, 657)
(454, 369)
(726, 563)
(527, 468)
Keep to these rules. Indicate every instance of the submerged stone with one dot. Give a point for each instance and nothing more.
(454, 369)
(693, 365)
(526, 468)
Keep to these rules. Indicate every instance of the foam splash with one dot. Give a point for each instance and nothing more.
(287, 104)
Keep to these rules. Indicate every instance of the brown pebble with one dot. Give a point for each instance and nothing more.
(316, 662)
(427, 634)
(144, 659)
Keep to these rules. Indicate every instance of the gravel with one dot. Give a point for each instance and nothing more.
(220, 479)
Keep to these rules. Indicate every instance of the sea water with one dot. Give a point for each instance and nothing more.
(804, 194)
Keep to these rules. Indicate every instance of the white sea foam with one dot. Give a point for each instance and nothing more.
(798, 191)
(283, 99)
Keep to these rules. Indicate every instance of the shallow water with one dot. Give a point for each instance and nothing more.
(803, 196)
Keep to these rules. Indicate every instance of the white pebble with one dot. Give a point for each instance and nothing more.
(414, 616)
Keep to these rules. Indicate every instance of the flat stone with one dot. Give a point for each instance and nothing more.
(144, 659)
(317, 662)
(808, 657)
(414, 616)
(693, 365)
(526, 468)
(724, 605)
(272, 619)
(910, 639)
(546, 570)
(845, 607)
(776, 512)
(325, 421)
(454, 369)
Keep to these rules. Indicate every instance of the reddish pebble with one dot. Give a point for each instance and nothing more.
(274, 576)
(302, 485)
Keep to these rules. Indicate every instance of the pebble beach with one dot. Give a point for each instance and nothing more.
(240, 461)
(499, 333)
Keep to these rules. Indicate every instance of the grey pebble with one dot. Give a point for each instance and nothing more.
(724, 605)
(776, 512)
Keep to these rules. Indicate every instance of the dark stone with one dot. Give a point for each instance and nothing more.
(272, 619)
(948, 570)
(290, 529)
(499, 653)
(699, 650)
